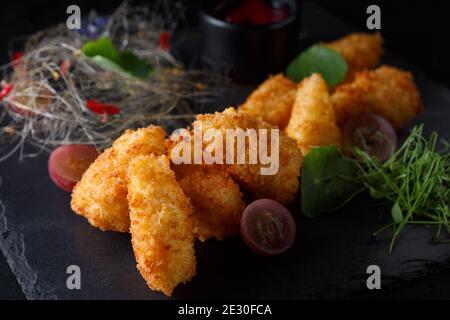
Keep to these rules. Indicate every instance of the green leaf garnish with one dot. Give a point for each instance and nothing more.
(415, 179)
(375, 193)
(318, 59)
(101, 47)
(329, 181)
(396, 213)
(134, 65)
(108, 64)
(103, 52)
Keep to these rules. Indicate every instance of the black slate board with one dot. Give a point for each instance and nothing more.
(41, 237)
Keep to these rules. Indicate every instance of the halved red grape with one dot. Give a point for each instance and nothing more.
(371, 133)
(67, 164)
(267, 227)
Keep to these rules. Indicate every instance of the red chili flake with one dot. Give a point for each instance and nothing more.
(16, 57)
(5, 91)
(164, 39)
(65, 66)
(102, 108)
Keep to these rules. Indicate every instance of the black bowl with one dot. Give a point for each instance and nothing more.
(249, 53)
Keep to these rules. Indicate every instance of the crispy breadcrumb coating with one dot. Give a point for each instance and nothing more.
(272, 100)
(216, 200)
(101, 195)
(281, 186)
(361, 51)
(387, 91)
(313, 122)
(161, 229)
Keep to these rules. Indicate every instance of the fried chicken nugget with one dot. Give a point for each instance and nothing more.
(161, 229)
(272, 100)
(101, 194)
(361, 51)
(313, 122)
(216, 200)
(281, 186)
(387, 91)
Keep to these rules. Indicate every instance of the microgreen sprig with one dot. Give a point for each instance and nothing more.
(416, 180)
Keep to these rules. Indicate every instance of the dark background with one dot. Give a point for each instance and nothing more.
(415, 31)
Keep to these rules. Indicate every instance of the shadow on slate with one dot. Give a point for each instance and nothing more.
(10, 289)
(42, 237)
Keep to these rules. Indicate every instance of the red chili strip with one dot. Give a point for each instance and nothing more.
(102, 108)
(5, 91)
(65, 66)
(16, 57)
(164, 40)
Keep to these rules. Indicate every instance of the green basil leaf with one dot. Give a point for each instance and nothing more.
(101, 47)
(135, 66)
(108, 64)
(103, 52)
(318, 59)
(329, 181)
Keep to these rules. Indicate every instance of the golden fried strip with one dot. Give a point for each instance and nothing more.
(161, 230)
(272, 100)
(361, 51)
(101, 195)
(216, 200)
(281, 186)
(313, 122)
(387, 91)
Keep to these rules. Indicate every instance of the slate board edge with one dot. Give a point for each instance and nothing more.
(12, 246)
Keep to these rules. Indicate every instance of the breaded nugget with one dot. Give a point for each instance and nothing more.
(387, 91)
(313, 122)
(361, 51)
(101, 195)
(216, 200)
(281, 186)
(161, 229)
(272, 100)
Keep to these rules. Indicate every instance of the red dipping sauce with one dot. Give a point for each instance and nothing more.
(251, 12)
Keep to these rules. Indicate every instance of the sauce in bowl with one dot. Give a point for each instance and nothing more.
(251, 12)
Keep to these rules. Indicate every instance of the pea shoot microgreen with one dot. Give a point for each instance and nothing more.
(415, 180)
